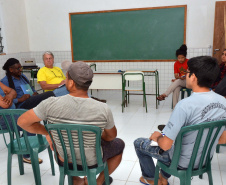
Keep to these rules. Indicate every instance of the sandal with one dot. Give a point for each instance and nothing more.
(144, 181)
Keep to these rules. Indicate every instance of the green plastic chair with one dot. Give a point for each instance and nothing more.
(132, 76)
(218, 147)
(3, 131)
(183, 90)
(24, 145)
(71, 129)
(205, 161)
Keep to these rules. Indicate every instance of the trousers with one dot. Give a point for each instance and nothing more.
(146, 153)
(175, 88)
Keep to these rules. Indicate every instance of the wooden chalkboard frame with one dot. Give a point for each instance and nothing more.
(121, 10)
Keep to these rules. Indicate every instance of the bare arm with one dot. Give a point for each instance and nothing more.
(164, 142)
(222, 139)
(109, 134)
(31, 123)
(10, 94)
(46, 86)
(3, 104)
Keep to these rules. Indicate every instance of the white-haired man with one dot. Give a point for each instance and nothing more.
(50, 77)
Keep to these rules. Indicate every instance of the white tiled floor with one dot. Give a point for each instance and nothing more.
(131, 124)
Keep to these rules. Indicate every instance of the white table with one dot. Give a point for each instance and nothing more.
(106, 80)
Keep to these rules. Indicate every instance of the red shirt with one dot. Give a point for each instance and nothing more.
(181, 68)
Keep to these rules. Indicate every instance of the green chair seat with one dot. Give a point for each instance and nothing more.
(33, 141)
(24, 145)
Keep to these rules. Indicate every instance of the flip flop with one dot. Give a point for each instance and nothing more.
(144, 181)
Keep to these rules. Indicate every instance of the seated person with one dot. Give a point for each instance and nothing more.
(6, 102)
(6, 97)
(16, 80)
(221, 87)
(222, 72)
(78, 106)
(50, 77)
(201, 73)
(180, 67)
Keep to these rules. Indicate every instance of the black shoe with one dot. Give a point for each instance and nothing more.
(161, 127)
(110, 180)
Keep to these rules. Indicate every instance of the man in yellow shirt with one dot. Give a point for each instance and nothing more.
(50, 77)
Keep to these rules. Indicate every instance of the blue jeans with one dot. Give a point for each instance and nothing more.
(145, 152)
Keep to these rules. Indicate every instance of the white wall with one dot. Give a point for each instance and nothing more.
(31, 25)
(14, 26)
(48, 20)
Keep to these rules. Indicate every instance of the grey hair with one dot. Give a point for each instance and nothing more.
(48, 53)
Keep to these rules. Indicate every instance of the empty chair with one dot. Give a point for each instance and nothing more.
(130, 76)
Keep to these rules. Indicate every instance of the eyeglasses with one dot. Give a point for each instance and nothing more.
(56, 75)
(19, 68)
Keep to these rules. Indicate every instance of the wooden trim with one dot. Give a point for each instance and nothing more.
(122, 10)
(185, 22)
(3, 54)
(172, 60)
(71, 38)
(133, 9)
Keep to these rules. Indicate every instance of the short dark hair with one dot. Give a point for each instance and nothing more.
(205, 68)
(84, 88)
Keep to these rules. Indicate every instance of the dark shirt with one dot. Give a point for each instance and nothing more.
(220, 76)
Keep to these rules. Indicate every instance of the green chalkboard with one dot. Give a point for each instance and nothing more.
(128, 35)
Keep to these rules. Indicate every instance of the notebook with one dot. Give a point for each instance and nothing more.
(26, 89)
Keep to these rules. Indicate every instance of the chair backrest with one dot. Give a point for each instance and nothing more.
(9, 117)
(209, 130)
(133, 75)
(74, 135)
(93, 66)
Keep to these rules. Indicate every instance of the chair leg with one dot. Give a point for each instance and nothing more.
(128, 97)
(9, 167)
(35, 167)
(51, 161)
(70, 180)
(200, 176)
(62, 176)
(91, 177)
(21, 164)
(185, 180)
(156, 175)
(145, 100)
(210, 177)
(182, 94)
(218, 148)
(106, 175)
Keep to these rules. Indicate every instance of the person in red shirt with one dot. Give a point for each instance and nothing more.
(180, 68)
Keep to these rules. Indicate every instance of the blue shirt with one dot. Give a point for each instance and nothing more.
(17, 84)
